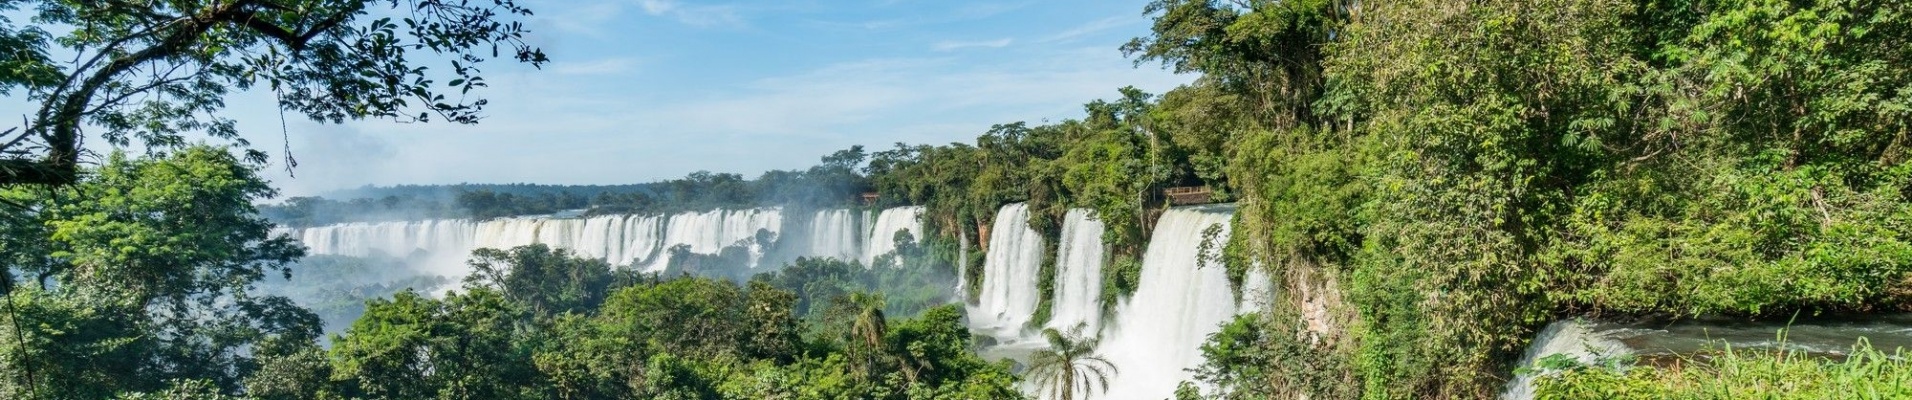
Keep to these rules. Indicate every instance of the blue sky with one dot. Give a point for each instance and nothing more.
(641, 90)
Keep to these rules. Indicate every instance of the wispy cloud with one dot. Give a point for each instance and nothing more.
(1089, 28)
(988, 9)
(952, 45)
(694, 15)
(657, 7)
(608, 66)
(587, 19)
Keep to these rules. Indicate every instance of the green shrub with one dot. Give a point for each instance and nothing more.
(1866, 373)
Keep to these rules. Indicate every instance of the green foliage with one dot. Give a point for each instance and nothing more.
(142, 275)
(1790, 187)
(690, 317)
(1865, 373)
(145, 291)
(337, 287)
(157, 70)
(1460, 171)
(1120, 278)
(546, 281)
(1070, 365)
(414, 347)
(918, 284)
(1257, 356)
(731, 262)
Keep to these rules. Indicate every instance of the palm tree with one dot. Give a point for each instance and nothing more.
(1070, 365)
(870, 325)
(867, 328)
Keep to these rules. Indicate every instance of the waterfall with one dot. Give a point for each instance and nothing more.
(711, 231)
(883, 231)
(1009, 292)
(1078, 284)
(1157, 333)
(437, 246)
(962, 265)
(505, 233)
(638, 240)
(834, 234)
(1574, 338)
(643, 238)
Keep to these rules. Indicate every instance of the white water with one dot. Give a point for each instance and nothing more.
(1600, 343)
(883, 232)
(1009, 292)
(1157, 333)
(835, 234)
(711, 231)
(1572, 337)
(442, 246)
(962, 262)
(1078, 284)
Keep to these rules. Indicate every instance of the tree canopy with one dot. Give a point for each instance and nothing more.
(153, 70)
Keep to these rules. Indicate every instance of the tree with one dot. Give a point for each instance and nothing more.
(151, 70)
(867, 329)
(142, 274)
(465, 346)
(544, 280)
(1070, 365)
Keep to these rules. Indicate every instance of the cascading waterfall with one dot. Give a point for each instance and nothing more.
(1574, 338)
(618, 239)
(1184, 296)
(640, 240)
(835, 234)
(1009, 292)
(711, 231)
(883, 231)
(505, 233)
(1078, 284)
(962, 260)
(437, 246)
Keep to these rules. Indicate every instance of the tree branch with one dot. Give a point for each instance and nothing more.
(61, 116)
(294, 41)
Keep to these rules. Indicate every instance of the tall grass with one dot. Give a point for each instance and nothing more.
(1865, 373)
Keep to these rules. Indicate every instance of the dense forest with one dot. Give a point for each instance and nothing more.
(1431, 181)
(1428, 182)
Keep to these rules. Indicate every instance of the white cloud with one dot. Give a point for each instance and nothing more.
(608, 66)
(880, 101)
(657, 7)
(586, 19)
(694, 15)
(951, 45)
(1089, 28)
(541, 133)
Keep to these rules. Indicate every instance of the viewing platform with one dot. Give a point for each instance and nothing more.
(1188, 195)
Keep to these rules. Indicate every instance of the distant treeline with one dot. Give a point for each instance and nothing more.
(836, 182)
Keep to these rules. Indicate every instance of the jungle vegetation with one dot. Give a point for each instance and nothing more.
(1428, 181)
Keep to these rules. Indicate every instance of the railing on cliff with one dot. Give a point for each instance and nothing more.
(1188, 195)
